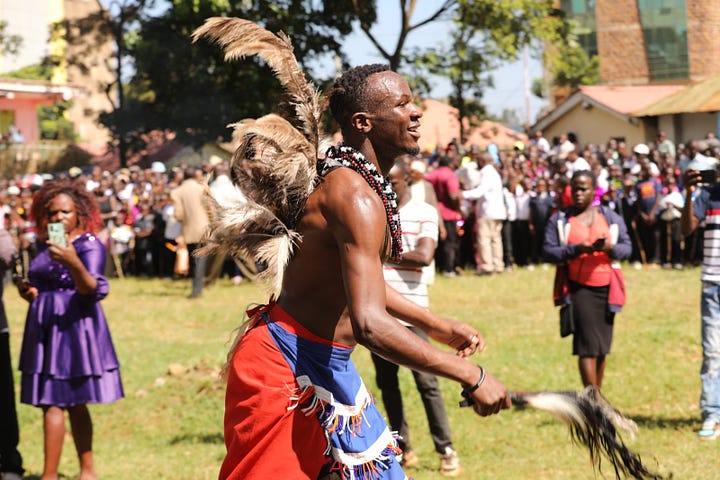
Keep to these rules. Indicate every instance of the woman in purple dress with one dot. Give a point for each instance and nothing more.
(67, 358)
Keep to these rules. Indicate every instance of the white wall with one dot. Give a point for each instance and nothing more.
(697, 125)
(30, 19)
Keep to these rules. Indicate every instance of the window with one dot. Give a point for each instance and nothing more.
(582, 14)
(664, 25)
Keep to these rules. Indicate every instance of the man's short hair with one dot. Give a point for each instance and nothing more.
(402, 166)
(584, 173)
(350, 94)
(191, 171)
(444, 161)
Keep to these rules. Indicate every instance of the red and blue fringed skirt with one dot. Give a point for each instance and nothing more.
(296, 407)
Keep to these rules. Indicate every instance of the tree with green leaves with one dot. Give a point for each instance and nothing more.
(113, 22)
(52, 120)
(9, 44)
(188, 88)
(567, 61)
(165, 82)
(481, 34)
(494, 32)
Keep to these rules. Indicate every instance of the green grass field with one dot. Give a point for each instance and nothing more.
(170, 426)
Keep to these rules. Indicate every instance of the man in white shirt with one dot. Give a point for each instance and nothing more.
(490, 213)
(541, 143)
(575, 163)
(419, 222)
(224, 192)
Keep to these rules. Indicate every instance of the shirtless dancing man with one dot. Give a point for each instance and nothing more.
(295, 405)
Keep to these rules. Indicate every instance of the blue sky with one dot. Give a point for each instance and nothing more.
(509, 89)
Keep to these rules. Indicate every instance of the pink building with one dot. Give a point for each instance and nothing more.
(19, 100)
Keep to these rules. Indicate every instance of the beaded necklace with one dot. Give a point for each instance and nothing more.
(346, 156)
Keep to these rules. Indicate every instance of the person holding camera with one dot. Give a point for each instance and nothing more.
(702, 204)
(67, 357)
(585, 242)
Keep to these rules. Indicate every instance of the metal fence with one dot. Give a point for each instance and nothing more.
(31, 157)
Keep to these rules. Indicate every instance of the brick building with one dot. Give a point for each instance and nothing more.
(661, 42)
(643, 45)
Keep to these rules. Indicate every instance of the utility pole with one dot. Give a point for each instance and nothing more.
(526, 76)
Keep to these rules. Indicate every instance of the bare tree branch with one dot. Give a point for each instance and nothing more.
(359, 6)
(440, 11)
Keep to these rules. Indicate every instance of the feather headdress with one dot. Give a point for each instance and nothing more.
(275, 165)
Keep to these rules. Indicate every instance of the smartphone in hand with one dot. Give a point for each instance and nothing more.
(56, 233)
(708, 177)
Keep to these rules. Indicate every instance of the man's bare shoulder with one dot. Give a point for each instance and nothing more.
(343, 192)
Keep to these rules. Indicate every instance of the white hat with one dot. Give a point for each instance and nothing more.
(215, 160)
(13, 190)
(641, 149)
(36, 179)
(158, 167)
(698, 162)
(418, 166)
(565, 149)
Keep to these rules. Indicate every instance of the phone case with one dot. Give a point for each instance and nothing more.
(56, 233)
(708, 177)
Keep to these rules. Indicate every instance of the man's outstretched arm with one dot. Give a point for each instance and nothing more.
(462, 337)
(358, 224)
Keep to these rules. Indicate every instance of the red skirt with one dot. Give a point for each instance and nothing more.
(264, 438)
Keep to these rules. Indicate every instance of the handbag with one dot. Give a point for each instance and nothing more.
(182, 261)
(567, 323)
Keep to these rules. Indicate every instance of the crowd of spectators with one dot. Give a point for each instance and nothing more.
(140, 230)
(504, 198)
(493, 221)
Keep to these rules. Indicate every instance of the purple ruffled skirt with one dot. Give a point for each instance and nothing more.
(67, 355)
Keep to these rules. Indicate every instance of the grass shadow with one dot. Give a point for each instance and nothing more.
(664, 423)
(642, 421)
(192, 438)
(38, 476)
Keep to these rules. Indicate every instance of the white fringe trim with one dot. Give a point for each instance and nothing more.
(374, 452)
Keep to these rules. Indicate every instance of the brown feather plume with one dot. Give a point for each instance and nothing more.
(275, 165)
(240, 38)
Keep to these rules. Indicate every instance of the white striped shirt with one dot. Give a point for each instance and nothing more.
(707, 208)
(418, 220)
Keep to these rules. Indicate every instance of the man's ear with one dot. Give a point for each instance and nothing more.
(361, 122)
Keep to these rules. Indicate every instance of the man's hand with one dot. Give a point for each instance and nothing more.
(25, 290)
(463, 338)
(442, 231)
(647, 218)
(691, 178)
(65, 255)
(490, 397)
